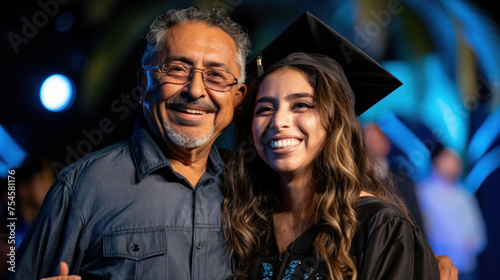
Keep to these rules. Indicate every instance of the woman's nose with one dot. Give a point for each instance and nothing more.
(280, 119)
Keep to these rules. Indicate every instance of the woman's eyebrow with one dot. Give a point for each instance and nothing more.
(299, 95)
(289, 97)
(264, 99)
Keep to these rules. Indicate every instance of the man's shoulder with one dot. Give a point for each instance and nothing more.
(95, 160)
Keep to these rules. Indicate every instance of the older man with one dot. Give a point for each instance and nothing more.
(149, 207)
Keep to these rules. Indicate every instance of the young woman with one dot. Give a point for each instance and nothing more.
(311, 207)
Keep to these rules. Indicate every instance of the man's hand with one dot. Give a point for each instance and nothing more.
(63, 274)
(447, 271)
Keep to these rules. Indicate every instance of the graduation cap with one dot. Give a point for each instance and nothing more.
(369, 81)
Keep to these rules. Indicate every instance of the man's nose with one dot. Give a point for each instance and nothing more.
(195, 86)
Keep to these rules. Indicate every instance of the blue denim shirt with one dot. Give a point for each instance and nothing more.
(124, 213)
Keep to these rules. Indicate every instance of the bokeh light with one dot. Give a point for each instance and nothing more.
(57, 93)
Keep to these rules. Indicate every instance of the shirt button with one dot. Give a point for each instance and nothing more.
(199, 245)
(135, 247)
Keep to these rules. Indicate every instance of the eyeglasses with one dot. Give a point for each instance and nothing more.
(181, 73)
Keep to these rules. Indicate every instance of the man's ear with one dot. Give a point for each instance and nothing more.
(240, 94)
(142, 83)
(240, 100)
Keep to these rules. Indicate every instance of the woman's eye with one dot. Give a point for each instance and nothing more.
(263, 110)
(300, 105)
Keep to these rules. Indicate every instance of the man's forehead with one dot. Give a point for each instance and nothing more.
(195, 42)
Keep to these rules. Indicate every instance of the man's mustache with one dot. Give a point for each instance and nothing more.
(203, 104)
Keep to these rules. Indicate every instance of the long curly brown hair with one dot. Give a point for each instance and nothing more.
(342, 170)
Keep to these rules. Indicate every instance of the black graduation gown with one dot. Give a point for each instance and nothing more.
(385, 246)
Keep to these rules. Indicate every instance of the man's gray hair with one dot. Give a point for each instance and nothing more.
(212, 16)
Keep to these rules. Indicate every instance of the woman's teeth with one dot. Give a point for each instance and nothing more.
(284, 143)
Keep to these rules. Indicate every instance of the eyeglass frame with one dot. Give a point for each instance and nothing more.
(191, 75)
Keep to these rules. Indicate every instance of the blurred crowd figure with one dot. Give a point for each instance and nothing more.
(380, 146)
(453, 221)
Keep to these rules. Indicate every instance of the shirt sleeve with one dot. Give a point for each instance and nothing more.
(397, 250)
(53, 237)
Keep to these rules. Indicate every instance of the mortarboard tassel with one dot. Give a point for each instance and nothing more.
(260, 68)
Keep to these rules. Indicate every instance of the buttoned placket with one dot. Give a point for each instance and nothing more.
(200, 232)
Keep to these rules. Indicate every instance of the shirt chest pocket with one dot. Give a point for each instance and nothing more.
(135, 245)
(135, 254)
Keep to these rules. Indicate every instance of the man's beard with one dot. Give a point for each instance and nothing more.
(186, 141)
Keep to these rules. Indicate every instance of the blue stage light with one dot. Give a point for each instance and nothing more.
(57, 93)
(484, 137)
(483, 168)
(11, 154)
(414, 149)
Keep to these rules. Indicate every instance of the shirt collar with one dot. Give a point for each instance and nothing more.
(148, 157)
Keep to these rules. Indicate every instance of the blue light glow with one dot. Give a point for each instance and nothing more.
(485, 136)
(484, 167)
(441, 27)
(406, 141)
(441, 108)
(56, 93)
(477, 27)
(11, 154)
